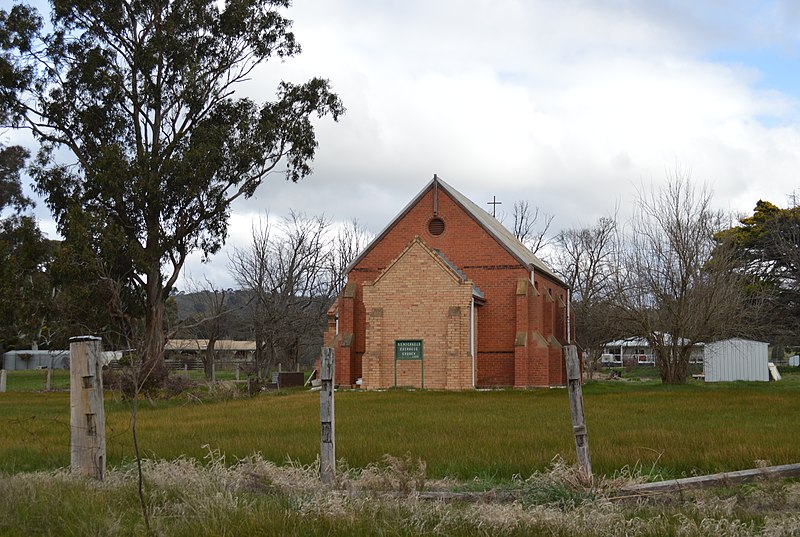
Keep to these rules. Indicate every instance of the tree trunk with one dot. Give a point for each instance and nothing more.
(674, 365)
(151, 352)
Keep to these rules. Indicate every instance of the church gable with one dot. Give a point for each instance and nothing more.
(421, 299)
(451, 222)
(419, 260)
(444, 225)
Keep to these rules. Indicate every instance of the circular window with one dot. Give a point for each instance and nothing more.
(436, 226)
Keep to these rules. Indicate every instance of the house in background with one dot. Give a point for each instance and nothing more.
(447, 298)
(724, 360)
(637, 351)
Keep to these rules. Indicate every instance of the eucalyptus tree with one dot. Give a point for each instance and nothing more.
(142, 135)
(26, 292)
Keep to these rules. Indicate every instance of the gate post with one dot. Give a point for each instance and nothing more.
(327, 367)
(87, 420)
(576, 409)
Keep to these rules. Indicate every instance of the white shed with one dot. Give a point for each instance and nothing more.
(736, 359)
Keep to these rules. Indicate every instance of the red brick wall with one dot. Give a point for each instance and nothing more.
(493, 270)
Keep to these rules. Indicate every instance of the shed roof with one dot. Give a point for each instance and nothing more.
(486, 221)
(202, 344)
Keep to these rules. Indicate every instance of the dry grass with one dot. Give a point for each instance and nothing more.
(254, 496)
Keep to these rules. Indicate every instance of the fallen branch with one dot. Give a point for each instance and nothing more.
(715, 480)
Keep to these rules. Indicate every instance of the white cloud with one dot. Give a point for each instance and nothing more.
(567, 104)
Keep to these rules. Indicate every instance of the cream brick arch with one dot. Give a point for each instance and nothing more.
(419, 296)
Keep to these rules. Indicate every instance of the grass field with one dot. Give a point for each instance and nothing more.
(485, 440)
(492, 436)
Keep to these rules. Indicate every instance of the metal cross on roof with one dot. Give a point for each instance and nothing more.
(494, 203)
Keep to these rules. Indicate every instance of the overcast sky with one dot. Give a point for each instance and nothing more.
(567, 104)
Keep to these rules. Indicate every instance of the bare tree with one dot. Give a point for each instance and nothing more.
(210, 321)
(250, 269)
(300, 276)
(671, 291)
(288, 272)
(528, 228)
(350, 241)
(586, 258)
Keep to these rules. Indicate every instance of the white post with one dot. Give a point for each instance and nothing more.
(3, 380)
(87, 414)
(213, 372)
(48, 381)
(327, 368)
(576, 409)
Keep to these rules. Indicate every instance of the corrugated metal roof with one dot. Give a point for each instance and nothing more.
(642, 342)
(202, 344)
(489, 223)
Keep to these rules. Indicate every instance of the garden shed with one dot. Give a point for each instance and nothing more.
(736, 359)
(29, 359)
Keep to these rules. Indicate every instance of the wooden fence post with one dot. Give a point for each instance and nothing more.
(3, 380)
(87, 421)
(576, 409)
(214, 371)
(48, 381)
(326, 417)
(238, 369)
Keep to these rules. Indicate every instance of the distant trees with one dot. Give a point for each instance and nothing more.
(671, 275)
(766, 247)
(141, 94)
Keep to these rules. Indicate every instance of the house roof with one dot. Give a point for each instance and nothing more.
(489, 223)
(641, 342)
(629, 342)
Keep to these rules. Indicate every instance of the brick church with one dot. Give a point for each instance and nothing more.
(447, 298)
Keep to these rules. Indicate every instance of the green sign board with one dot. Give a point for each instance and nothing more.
(408, 349)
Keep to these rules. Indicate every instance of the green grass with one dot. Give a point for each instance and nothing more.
(676, 430)
(34, 379)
